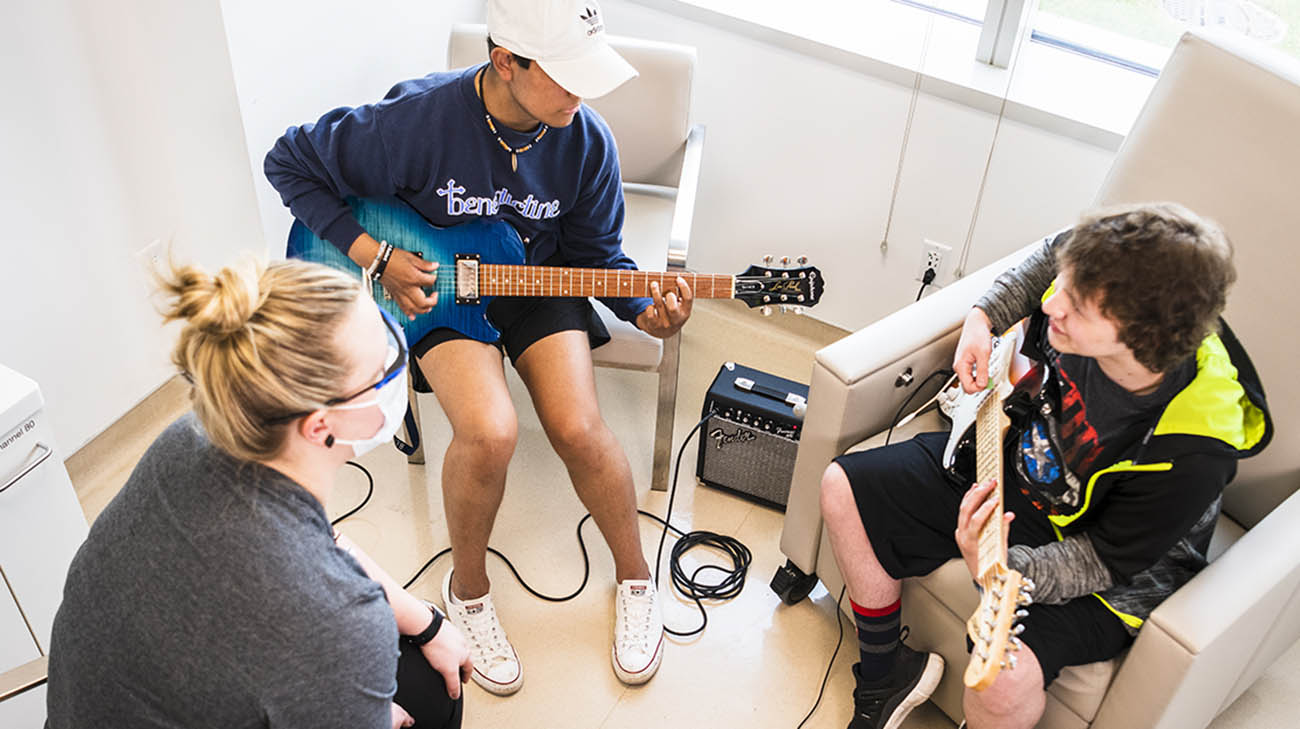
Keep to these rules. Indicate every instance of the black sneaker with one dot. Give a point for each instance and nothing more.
(884, 707)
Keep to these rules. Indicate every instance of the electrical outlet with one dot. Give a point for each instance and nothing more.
(933, 255)
(152, 254)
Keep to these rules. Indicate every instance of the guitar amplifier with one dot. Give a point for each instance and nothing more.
(748, 444)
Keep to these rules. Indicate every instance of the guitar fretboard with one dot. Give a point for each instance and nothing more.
(503, 280)
(990, 423)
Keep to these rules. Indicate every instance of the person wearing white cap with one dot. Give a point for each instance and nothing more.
(509, 140)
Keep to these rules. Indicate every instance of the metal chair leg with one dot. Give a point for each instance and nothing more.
(416, 458)
(664, 413)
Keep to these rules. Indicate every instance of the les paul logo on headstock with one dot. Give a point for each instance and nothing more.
(785, 286)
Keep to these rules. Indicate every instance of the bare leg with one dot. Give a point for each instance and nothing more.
(868, 583)
(1014, 701)
(469, 380)
(558, 372)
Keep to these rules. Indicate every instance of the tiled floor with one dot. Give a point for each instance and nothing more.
(758, 664)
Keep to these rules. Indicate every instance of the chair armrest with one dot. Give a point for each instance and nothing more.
(24, 677)
(679, 237)
(1206, 644)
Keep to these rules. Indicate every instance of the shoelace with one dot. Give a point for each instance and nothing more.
(638, 613)
(870, 703)
(484, 632)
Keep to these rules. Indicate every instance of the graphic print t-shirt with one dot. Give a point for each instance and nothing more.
(1090, 420)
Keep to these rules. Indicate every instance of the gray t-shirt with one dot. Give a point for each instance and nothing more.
(210, 593)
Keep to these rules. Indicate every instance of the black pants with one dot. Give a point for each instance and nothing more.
(909, 503)
(423, 693)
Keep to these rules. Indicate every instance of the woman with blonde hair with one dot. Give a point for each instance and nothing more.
(213, 591)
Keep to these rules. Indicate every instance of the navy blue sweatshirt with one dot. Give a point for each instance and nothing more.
(428, 143)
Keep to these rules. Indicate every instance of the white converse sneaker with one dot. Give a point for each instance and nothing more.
(638, 631)
(496, 665)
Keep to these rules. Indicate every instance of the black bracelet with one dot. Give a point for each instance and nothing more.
(428, 633)
(384, 255)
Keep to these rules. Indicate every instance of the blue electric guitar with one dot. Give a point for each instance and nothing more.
(483, 259)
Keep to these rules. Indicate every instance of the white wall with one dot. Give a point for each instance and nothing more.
(120, 127)
(294, 60)
(802, 155)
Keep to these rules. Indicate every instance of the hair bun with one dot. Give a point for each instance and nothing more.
(217, 305)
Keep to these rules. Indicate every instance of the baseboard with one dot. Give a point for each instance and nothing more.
(131, 433)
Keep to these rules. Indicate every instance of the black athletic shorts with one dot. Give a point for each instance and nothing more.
(909, 504)
(524, 320)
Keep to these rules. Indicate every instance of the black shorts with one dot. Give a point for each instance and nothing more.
(525, 320)
(909, 503)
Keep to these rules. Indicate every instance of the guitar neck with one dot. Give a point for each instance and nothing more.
(507, 280)
(990, 425)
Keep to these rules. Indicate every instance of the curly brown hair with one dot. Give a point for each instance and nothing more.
(1158, 270)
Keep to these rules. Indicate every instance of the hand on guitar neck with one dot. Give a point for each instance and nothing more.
(982, 500)
(669, 311)
(405, 277)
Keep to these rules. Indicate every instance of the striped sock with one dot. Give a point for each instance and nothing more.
(878, 630)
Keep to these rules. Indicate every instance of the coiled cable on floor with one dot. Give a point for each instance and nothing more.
(731, 584)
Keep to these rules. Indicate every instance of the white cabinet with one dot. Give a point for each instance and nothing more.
(41, 527)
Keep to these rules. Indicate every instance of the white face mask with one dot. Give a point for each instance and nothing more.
(391, 392)
(391, 401)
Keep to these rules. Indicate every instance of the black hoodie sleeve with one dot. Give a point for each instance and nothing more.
(1142, 515)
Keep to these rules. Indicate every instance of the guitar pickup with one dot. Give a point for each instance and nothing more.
(467, 278)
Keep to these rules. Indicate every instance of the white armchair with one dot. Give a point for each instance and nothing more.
(660, 154)
(1218, 134)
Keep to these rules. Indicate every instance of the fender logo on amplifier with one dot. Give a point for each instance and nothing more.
(721, 437)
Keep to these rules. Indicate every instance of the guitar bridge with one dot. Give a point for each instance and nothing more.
(467, 278)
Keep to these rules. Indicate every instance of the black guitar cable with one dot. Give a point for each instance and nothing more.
(732, 582)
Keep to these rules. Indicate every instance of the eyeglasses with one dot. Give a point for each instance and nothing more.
(394, 362)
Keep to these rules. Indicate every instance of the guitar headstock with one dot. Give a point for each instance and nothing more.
(994, 626)
(790, 285)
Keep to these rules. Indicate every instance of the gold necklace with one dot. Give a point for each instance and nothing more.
(514, 153)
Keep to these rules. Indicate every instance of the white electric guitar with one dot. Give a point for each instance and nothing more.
(992, 628)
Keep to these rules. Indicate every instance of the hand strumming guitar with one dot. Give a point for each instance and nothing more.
(973, 349)
(404, 278)
(668, 313)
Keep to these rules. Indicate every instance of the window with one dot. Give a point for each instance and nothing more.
(971, 11)
(1139, 34)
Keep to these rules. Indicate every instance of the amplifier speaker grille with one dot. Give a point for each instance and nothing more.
(754, 463)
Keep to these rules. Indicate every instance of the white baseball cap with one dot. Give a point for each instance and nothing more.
(565, 37)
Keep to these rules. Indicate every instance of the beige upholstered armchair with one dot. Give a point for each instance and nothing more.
(660, 154)
(1218, 134)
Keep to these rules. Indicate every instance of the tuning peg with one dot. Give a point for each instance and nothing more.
(1022, 614)
(1015, 644)
(785, 260)
(767, 259)
(766, 309)
(802, 260)
(1011, 662)
(1027, 585)
(997, 595)
(1020, 628)
(1025, 598)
